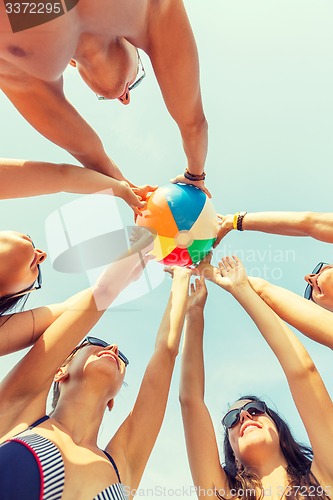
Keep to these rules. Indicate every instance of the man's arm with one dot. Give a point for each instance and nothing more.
(314, 224)
(173, 53)
(45, 107)
(22, 178)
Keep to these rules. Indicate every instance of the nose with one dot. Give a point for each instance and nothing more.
(125, 98)
(309, 278)
(244, 414)
(114, 348)
(41, 256)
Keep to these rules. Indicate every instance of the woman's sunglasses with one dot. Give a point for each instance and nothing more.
(254, 408)
(309, 288)
(99, 343)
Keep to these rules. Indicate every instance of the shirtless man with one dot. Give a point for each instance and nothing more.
(100, 39)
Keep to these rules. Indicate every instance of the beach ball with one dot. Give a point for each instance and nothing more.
(184, 223)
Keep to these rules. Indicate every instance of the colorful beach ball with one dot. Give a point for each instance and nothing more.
(184, 221)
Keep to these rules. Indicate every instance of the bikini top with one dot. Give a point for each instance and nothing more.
(31, 467)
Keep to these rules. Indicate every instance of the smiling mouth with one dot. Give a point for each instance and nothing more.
(110, 356)
(249, 427)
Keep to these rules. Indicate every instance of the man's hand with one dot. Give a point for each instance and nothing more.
(143, 192)
(198, 184)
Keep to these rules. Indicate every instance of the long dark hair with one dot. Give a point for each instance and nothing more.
(298, 457)
(7, 303)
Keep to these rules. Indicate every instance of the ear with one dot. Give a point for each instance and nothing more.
(72, 63)
(110, 404)
(61, 375)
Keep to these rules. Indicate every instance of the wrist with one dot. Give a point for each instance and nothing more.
(194, 175)
(240, 288)
(237, 222)
(195, 311)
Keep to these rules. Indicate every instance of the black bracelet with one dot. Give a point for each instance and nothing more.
(194, 177)
(240, 218)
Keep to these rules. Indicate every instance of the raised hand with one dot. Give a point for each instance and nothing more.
(198, 295)
(233, 274)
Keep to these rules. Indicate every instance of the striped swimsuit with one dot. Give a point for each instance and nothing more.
(32, 468)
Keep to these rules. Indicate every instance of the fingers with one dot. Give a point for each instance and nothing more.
(227, 264)
(179, 178)
(136, 211)
(169, 270)
(205, 190)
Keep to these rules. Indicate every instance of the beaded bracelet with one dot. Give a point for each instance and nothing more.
(240, 218)
(194, 177)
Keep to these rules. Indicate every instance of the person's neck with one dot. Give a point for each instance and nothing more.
(80, 416)
(271, 470)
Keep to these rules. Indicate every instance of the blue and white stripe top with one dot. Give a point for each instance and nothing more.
(32, 466)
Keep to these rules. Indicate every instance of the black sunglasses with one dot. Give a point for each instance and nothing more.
(32, 288)
(254, 408)
(309, 288)
(134, 84)
(100, 343)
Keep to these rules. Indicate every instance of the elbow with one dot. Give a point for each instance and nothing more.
(168, 352)
(195, 127)
(304, 369)
(190, 403)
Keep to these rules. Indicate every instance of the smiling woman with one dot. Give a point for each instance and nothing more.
(261, 456)
(50, 455)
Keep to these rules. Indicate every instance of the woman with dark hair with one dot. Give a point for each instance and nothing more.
(261, 456)
(57, 456)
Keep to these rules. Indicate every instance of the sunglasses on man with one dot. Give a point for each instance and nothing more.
(309, 288)
(253, 408)
(99, 343)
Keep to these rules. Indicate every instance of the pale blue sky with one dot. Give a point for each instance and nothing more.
(267, 79)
